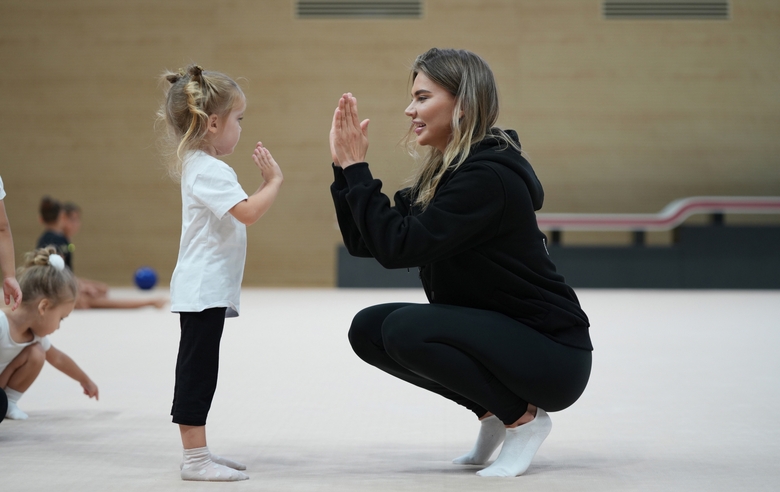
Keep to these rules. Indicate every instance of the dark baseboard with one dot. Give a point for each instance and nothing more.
(707, 257)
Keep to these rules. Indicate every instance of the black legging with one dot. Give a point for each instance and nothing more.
(197, 365)
(480, 359)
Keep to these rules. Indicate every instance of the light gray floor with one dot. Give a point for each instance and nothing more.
(684, 395)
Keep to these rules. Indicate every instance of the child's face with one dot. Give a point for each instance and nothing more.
(50, 316)
(71, 223)
(228, 130)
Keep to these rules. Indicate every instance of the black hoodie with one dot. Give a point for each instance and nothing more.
(477, 243)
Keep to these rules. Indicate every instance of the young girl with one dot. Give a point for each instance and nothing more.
(48, 295)
(203, 112)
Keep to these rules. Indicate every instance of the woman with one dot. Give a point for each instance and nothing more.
(503, 335)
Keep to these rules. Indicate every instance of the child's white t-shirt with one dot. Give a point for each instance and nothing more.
(2, 190)
(212, 251)
(10, 349)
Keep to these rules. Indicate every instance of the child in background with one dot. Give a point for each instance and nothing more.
(62, 222)
(11, 290)
(48, 295)
(50, 213)
(203, 112)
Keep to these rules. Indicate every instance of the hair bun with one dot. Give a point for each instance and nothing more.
(57, 262)
(196, 70)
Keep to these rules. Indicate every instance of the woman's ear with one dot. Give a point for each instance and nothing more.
(461, 110)
(213, 124)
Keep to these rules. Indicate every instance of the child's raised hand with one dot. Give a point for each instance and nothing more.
(11, 289)
(90, 389)
(268, 166)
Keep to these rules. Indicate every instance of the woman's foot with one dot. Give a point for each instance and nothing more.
(490, 437)
(520, 446)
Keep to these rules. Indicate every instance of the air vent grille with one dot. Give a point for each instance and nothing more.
(352, 9)
(649, 9)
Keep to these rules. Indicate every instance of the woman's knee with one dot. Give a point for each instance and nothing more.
(403, 333)
(365, 333)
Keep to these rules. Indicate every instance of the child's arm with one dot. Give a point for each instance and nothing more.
(11, 287)
(92, 287)
(67, 366)
(250, 210)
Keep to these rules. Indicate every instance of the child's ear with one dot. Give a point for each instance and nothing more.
(43, 305)
(213, 123)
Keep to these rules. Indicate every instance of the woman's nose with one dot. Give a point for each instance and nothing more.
(409, 111)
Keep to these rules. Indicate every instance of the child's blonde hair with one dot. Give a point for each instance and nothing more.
(39, 278)
(193, 96)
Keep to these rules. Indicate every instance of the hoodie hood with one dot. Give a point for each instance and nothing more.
(494, 148)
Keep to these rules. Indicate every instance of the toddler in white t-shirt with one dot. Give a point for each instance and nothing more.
(203, 112)
(48, 296)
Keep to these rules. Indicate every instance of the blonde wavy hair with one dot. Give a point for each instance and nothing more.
(194, 94)
(40, 280)
(469, 78)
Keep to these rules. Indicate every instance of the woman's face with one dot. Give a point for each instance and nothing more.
(431, 112)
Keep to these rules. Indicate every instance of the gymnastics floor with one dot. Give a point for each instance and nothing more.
(684, 395)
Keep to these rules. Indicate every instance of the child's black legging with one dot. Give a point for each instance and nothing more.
(197, 365)
(480, 359)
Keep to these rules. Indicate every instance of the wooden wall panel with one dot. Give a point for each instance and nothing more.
(618, 116)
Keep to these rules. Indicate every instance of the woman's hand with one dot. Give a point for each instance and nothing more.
(12, 291)
(348, 135)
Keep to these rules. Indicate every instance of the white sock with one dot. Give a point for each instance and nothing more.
(228, 462)
(198, 465)
(224, 461)
(520, 446)
(491, 435)
(13, 412)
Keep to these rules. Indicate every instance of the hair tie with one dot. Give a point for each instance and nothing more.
(57, 262)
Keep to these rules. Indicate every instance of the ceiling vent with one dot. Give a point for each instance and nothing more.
(357, 9)
(659, 9)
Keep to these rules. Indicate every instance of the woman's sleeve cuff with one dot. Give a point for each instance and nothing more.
(358, 173)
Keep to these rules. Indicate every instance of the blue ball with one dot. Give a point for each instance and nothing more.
(145, 278)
